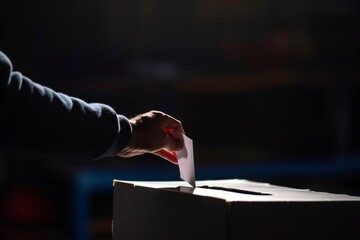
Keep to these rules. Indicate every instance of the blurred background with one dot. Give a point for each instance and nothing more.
(267, 90)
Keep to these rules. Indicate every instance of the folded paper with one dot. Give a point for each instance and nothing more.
(186, 162)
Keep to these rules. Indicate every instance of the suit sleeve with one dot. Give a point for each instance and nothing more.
(39, 120)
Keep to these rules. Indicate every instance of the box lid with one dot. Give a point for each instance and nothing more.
(241, 190)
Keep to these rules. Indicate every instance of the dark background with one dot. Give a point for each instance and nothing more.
(268, 91)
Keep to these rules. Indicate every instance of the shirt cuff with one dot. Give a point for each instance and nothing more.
(122, 137)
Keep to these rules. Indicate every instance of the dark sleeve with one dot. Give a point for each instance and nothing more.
(39, 120)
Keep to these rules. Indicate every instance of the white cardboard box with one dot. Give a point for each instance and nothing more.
(230, 209)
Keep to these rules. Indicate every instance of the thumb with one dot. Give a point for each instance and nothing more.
(167, 155)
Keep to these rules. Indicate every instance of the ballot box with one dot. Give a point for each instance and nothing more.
(230, 209)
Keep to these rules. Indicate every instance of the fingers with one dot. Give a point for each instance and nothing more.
(173, 123)
(173, 140)
(167, 155)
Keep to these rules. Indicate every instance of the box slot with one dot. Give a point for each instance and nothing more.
(236, 190)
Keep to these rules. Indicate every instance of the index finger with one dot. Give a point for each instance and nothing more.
(173, 123)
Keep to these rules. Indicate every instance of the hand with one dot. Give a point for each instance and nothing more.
(156, 133)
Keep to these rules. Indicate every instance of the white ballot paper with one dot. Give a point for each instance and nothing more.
(186, 162)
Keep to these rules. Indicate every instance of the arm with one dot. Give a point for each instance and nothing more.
(40, 120)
